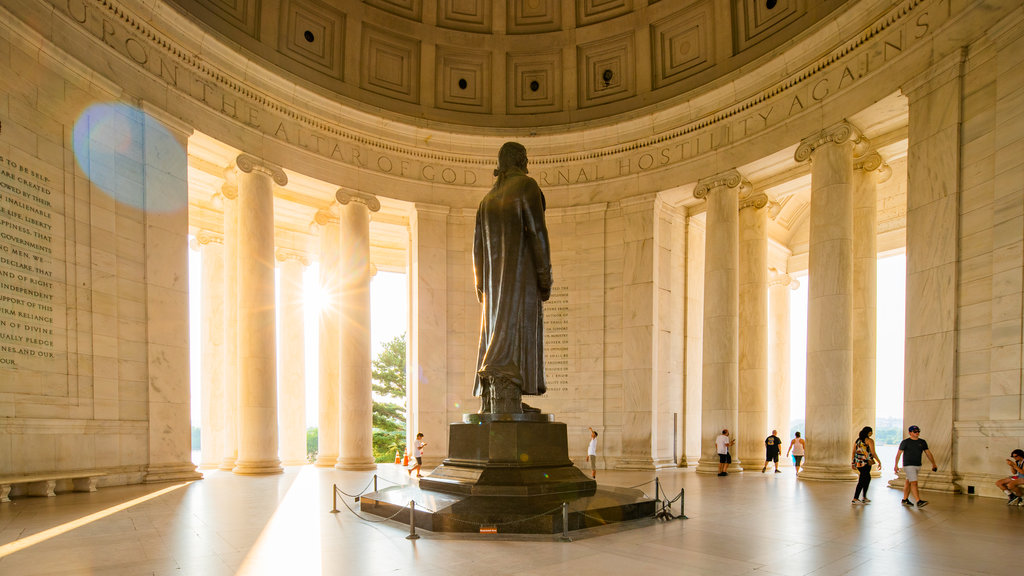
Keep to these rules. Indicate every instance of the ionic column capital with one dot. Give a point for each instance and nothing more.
(204, 237)
(777, 278)
(346, 196)
(229, 191)
(249, 164)
(755, 200)
(872, 161)
(287, 255)
(324, 216)
(838, 133)
(730, 179)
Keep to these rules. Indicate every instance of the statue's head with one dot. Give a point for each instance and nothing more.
(511, 155)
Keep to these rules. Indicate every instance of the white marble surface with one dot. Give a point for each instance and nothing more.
(830, 314)
(355, 392)
(291, 376)
(257, 325)
(330, 326)
(753, 425)
(227, 525)
(212, 318)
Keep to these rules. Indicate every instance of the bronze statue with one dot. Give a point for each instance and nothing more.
(512, 268)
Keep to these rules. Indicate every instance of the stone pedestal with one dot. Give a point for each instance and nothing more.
(510, 455)
(508, 473)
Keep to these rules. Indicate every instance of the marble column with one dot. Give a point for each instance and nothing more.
(429, 384)
(165, 228)
(753, 327)
(257, 350)
(355, 401)
(830, 303)
(779, 287)
(211, 246)
(231, 241)
(866, 171)
(694, 338)
(330, 314)
(720, 364)
(291, 390)
(934, 177)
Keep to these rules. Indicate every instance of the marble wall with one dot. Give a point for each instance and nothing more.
(94, 354)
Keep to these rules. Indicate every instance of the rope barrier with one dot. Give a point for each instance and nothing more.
(664, 512)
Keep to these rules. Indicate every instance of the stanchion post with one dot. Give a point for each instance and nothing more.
(412, 522)
(334, 496)
(565, 522)
(682, 504)
(657, 488)
(374, 482)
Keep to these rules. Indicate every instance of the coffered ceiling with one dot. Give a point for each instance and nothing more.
(508, 63)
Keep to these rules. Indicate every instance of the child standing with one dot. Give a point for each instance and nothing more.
(417, 453)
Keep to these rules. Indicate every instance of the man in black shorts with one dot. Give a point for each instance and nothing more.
(772, 447)
(911, 449)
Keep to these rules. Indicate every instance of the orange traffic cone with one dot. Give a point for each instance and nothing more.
(398, 457)
(405, 461)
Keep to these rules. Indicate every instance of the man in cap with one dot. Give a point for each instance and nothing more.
(911, 449)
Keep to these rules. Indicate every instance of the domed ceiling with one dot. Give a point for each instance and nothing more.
(508, 63)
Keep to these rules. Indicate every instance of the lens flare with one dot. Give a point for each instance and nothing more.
(131, 157)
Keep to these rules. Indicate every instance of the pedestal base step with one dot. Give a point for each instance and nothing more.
(445, 512)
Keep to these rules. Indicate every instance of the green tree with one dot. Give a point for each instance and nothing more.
(389, 402)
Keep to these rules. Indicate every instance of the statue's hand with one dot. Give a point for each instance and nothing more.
(545, 294)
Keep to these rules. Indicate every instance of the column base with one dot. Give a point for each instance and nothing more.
(327, 461)
(171, 473)
(294, 462)
(228, 464)
(827, 473)
(710, 466)
(640, 463)
(356, 464)
(258, 467)
(930, 481)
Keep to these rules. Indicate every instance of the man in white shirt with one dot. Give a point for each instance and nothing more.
(592, 453)
(417, 453)
(722, 443)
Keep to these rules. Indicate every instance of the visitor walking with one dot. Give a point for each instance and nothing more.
(417, 452)
(722, 444)
(911, 449)
(864, 457)
(797, 447)
(772, 447)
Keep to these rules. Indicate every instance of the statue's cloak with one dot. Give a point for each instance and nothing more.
(512, 269)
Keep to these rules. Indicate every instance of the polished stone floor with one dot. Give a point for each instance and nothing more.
(282, 525)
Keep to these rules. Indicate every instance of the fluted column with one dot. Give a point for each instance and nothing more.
(330, 313)
(355, 402)
(211, 246)
(830, 303)
(779, 287)
(231, 242)
(753, 327)
(292, 368)
(720, 364)
(867, 171)
(257, 354)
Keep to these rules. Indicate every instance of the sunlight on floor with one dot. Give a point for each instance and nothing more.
(22, 543)
(294, 527)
